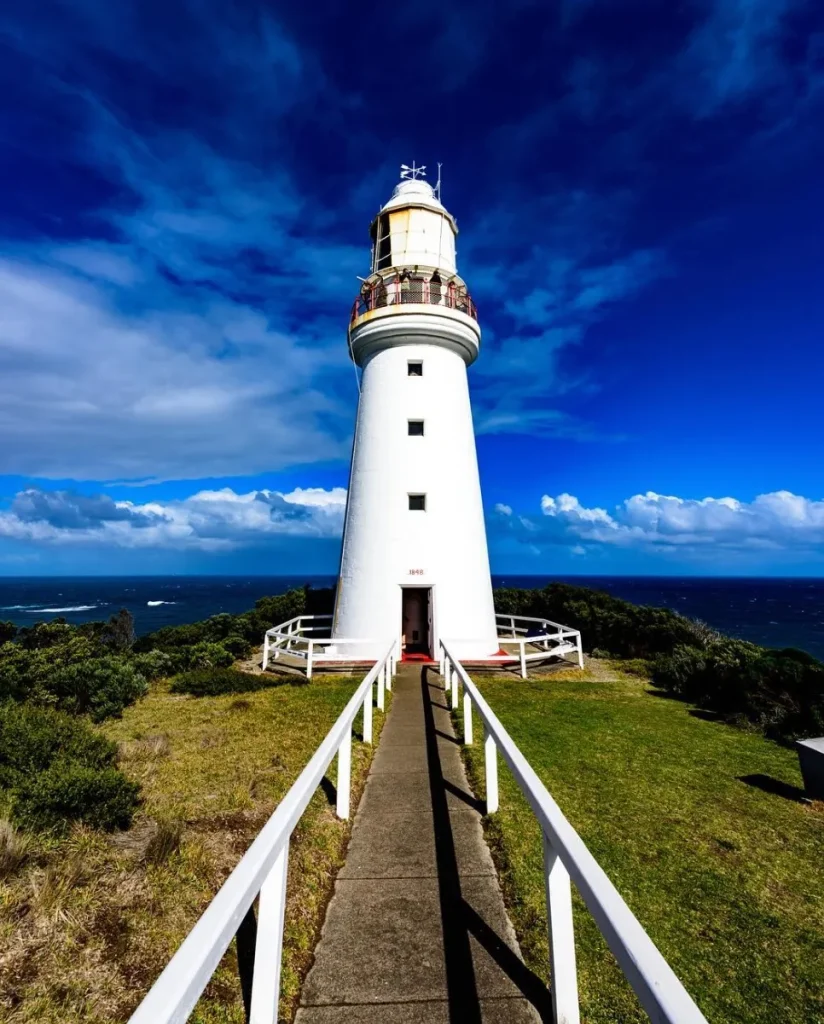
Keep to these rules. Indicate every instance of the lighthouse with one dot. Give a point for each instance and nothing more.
(414, 561)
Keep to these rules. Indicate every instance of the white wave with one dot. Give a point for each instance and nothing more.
(54, 611)
(154, 604)
(17, 607)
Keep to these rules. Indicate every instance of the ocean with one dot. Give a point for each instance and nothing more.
(772, 612)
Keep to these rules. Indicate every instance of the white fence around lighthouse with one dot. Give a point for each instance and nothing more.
(306, 638)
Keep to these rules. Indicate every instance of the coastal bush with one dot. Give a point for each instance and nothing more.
(154, 665)
(214, 682)
(55, 768)
(99, 687)
(622, 629)
(780, 691)
(250, 626)
(209, 655)
(8, 631)
(68, 791)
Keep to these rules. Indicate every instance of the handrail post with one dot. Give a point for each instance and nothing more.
(447, 675)
(381, 700)
(269, 945)
(344, 774)
(523, 659)
(467, 717)
(454, 689)
(265, 652)
(309, 660)
(388, 675)
(562, 970)
(491, 767)
(367, 715)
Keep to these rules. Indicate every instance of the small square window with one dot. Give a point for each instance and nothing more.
(417, 503)
(414, 369)
(415, 428)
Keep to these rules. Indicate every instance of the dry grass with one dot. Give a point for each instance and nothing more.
(15, 848)
(87, 922)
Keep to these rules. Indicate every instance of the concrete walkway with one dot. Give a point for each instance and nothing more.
(416, 929)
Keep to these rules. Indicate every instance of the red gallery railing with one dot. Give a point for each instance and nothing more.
(413, 288)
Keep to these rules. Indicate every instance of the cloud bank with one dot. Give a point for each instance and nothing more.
(780, 521)
(210, 521)
(224, 520)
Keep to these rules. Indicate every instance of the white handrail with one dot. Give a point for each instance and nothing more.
(659, 991)
(262, 869)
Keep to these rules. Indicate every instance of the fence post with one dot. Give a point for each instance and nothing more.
(523, 659)
(269, 945)
(381, 701)
(467, 715)
(455, 681)
(388, 675)
(580, 651)
(367, 715)
(344, 774)
(562, 970)
(265, 651)
(309, 661)
(491, 766)
(447, 675)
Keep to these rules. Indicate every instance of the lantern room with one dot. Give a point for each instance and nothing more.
(414, 230)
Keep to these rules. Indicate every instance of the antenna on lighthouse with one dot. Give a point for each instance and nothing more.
(438, 184)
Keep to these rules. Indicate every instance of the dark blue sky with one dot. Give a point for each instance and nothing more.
(185, 195)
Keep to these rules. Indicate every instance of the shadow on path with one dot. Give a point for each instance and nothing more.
(459, 920)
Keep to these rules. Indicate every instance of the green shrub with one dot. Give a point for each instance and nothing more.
(251, 625)
(56, 769)
(781, 692)
(45, 634)
(237, 646)
(69, 791)
(100, 687)
(154, 665)
(8, 631)
(209, 655)
(622, 629)
(213, 682)
(31, 738)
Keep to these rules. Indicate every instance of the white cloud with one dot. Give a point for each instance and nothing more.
(207, 521)
(200, 334)
(778, 521)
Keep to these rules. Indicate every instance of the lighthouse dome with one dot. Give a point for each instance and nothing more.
(414, 192)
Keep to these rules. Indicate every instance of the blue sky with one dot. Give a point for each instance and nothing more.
(186, 190)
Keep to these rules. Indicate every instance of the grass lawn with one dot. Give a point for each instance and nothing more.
(88, 922)
(727, 878)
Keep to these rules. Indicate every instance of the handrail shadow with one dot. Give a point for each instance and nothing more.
(459, 921)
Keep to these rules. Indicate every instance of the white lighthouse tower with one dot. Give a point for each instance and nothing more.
(414, 564)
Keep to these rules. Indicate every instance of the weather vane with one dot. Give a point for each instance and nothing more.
(413, 172)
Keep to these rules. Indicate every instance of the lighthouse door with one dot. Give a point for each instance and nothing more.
(415, 620)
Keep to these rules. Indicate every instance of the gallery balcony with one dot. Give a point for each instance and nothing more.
(414, 289)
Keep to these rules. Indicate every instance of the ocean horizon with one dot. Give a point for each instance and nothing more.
(774, 612)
